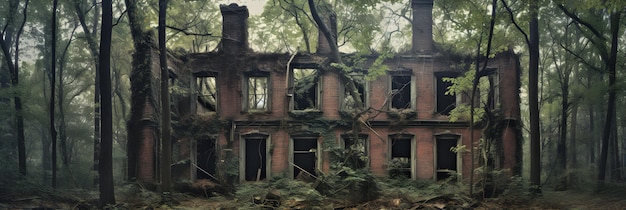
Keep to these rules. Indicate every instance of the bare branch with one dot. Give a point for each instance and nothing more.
(578, 20)
(515, 22)
(184, 31)
(119, 19)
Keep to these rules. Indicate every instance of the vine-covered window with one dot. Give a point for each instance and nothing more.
(306, 94)
(361, 86)
(356, 150)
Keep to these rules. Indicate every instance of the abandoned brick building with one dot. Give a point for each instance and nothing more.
(252, 116)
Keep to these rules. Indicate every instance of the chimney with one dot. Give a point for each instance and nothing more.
(322, 43)
(422, 26)
(234, 29)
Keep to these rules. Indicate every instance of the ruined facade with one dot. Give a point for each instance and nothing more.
(249, 116)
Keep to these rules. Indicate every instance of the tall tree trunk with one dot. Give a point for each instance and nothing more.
(533, 93)
(561, 148)
(592, 131)
(614, 153)
(66, 154)
(166, 144)
(573, 163)
(53, 132)
(46, 142)
(107, 196)
(611, 65)
(96, 92)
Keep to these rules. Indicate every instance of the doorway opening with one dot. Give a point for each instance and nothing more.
(401, 163)
(446, 158)
(206, 158)
(304, 156)
(255, 159)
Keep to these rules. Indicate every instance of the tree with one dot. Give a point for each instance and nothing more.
(107, 196)
(166, 144)
(295, 28)
(533, 95)
(7, 38)
(53, 132)
(191, 31)
(90, 37)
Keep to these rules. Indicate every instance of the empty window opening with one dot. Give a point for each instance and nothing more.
(401, 92)
(304, 156)
(206, 158)
(446, 158)
(257, 93)
(256, 159)
(207, 93)
(348, 101)
(493, 97)
(172, 77)
(174, 95)
(305, 89)
(401, 160)
(446, 102)
(356, 151)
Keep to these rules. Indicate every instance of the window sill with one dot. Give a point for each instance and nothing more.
(402, 114)
(256, 112)
(305, 114)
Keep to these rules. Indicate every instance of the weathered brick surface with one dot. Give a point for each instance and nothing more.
(146, 171)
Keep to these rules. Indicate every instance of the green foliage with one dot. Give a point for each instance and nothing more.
(203, 24)
(286, 21)
(290, 23)
(518, 191)
(354, 185)
(228, 170)
(459, 148)
(463, 25)
(398, 168)
(462, 85)
(462, 113)
(200, 124)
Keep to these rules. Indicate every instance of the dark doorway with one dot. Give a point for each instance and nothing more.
(304, 155)
(206, 158)
(401, 161)
(446, 159)
(256, 159)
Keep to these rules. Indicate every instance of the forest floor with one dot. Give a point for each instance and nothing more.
(132, 197)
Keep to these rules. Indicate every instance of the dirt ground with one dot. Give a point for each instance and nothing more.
(79, 199)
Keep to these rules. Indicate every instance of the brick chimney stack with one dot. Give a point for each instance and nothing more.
(322, 44)
(234, 29)
(422, 26)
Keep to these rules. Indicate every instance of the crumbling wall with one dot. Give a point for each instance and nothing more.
(143, 122)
